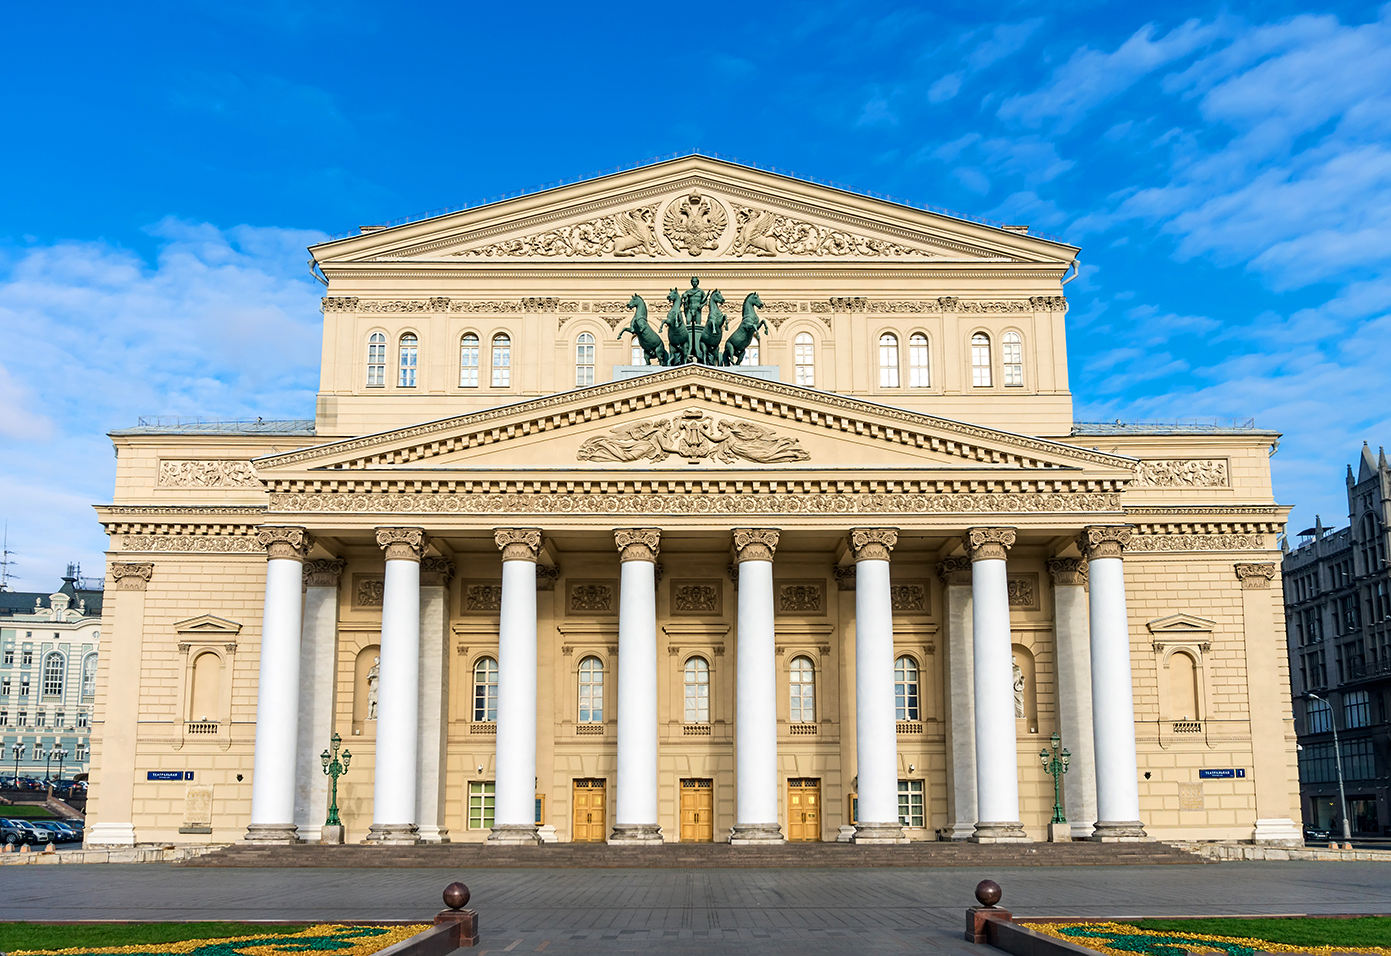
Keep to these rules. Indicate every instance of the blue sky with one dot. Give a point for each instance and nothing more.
(1225, 169)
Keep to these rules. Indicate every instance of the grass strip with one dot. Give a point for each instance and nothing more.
(1292, 931)
(27, 811)
(37, 936)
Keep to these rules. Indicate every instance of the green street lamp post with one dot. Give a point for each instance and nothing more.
(335, 768)
(1055, 764)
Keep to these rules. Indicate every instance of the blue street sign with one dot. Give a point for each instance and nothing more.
(169, 775)
(1222, 774)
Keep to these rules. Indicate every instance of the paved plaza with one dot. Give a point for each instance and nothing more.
(805, 911)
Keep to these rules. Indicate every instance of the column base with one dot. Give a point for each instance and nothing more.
(1004, 832)
(753, 834)
(872, 833)
(636, 833)
(1119, 831)
(958, 832)
(393, 834)
(433, 834)
(271, 833)
(110, 834)
(1281, 831)
(515, 834)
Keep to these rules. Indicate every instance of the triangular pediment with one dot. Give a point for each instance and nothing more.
(698, 418)
(219, 627)
(1178, 624)
(693, 209)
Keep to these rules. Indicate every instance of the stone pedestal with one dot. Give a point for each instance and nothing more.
(879, 833)
(636, 833)
(465, 923)
(515, 834)
(1059, 833)
(749, 834)
(1119, 831)
(331, 835)
(393, 834)
(271, 833)
(978, 916)
(1006, 831)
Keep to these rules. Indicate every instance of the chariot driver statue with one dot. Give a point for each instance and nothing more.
(692, 307)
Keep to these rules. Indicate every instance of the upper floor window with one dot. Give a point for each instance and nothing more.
(803, 357)
(9, 655)
(82, 720)
(1357, 709)
(888, 360)
(410, 356)
(53, 675)
(751, 353)
(4, 687)
(906, 689)
(639, 356)
(801, 678)
(697, 691)
(24, 685)
(376, 360)
(1013, 358)
(584, 360)
(89, 675)
(27, 658)
(918, 374)
(468, 361)
(591, 690)
(485, 689)
(1318, 717)
(502, 361)
(980, 359)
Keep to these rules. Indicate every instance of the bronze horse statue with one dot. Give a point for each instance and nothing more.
(740, 338)
(679, 338)
(651, 342)
(707, 344)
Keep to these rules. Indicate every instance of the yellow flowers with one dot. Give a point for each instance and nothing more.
(336, 938)
(1121, 939)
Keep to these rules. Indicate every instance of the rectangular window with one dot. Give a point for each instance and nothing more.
(23, 720)
(1357, 710)
(480, 804)
(82, 719)
(58, 719)
(410, 359)
(919, 373)
(502, 361)
(24, 686)
(4, 718)
(9, 655)
(28, 659)
(1359, 760)
(4, 687)
(40, 719)
(1317, 764)
(910, 803)
(81, 752)
(1319, 717)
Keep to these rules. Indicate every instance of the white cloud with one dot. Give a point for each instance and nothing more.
(223, 324)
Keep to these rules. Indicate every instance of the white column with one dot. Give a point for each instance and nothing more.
(961, 711)
(514, 814)
(756, 716)
(1074, 670)
(318, 680)
(876, 724)
(997, 758)
(432, 722)
(398, 701)
(1113, 698)
(635, 817)
(277, 690)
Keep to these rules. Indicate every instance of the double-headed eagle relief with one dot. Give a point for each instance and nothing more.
(693, 334)
(693, 435)
(695, 223)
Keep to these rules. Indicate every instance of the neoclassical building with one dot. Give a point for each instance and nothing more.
(846, 588)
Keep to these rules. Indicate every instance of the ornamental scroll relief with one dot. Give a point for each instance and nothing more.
(762, 233)
(693, 435)
(206, 473)
(1182, 473)
(629, 233)
(205, 544)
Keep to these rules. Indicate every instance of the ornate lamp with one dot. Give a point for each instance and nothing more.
(1055, 764)
(334, 768)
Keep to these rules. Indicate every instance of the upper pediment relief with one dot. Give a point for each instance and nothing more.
(693, 208)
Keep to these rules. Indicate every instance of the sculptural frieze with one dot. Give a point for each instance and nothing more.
(695, 223)
(628, 233)
(763, 233)
(693, 435)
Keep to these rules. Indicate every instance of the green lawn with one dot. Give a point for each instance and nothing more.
(27, 812)
(34, 936)
(1293, 931)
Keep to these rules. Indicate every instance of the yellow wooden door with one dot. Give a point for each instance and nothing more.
(697, 811)
(804, 809)
(589, 824)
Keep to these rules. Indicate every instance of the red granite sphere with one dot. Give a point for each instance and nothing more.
(988, 892)
(456, 896)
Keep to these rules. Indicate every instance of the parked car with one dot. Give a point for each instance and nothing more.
(24, 832)
(60, 831)
(1315, 834)
(12, 834)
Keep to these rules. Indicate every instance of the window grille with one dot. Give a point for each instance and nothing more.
(980, 360)
(1013, 349)
(906, 689)
(802, 690)
(584, 360)
(1357, 709)
(919, 372)
(485, 690)
(502, 361)
(888, 360)
(591, 690)
(53, 675)
(481, 797)
(910, 803)
(804, 359)
(410, 358)
(89, 675)
(697, 691)
(468, 361)
(376, 360)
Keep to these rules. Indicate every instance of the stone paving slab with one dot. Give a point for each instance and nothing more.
(744, 912)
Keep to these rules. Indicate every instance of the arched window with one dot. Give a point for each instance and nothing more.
(801, 677)
(751, 353)
(980, 359)
(591, 690)
(485, 689)
(376, 360)
(89, 676)
(1013, 356)
(207, 685)
(697, 691)
(468, 361)
(584, 360)
(410, 356)
(906, 689)
(502, 361)
(804, 358)
(1183, 688)
(919, 375)
(53, 667)
(888, 360)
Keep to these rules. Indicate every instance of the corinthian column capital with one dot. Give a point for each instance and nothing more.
(436, 571)
(292, 543)
(1255, 577)
(755, 544)
(955, 570)
(1068, 572)
(988, 544)
(872, 544)
(402, 544)
(637, 544)
(132, 577)
(323, 572)
(1104, 541)
(518, 544)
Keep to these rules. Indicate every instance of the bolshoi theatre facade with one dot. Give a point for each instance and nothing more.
(692, 503)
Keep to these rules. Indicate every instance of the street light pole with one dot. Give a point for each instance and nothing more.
(1338, 759)
(333, 769)
(17, 749)
(62, 756)
(1055, 765)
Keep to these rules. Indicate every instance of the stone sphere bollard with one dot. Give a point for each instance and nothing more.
(464, 922)
(979, 918)
(456, 896)
(988, 892)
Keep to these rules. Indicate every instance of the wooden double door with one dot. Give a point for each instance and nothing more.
(803, 809)
(590, 823)
(697, 810)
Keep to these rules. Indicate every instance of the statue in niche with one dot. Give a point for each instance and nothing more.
(1018, 689)
(373, 679)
